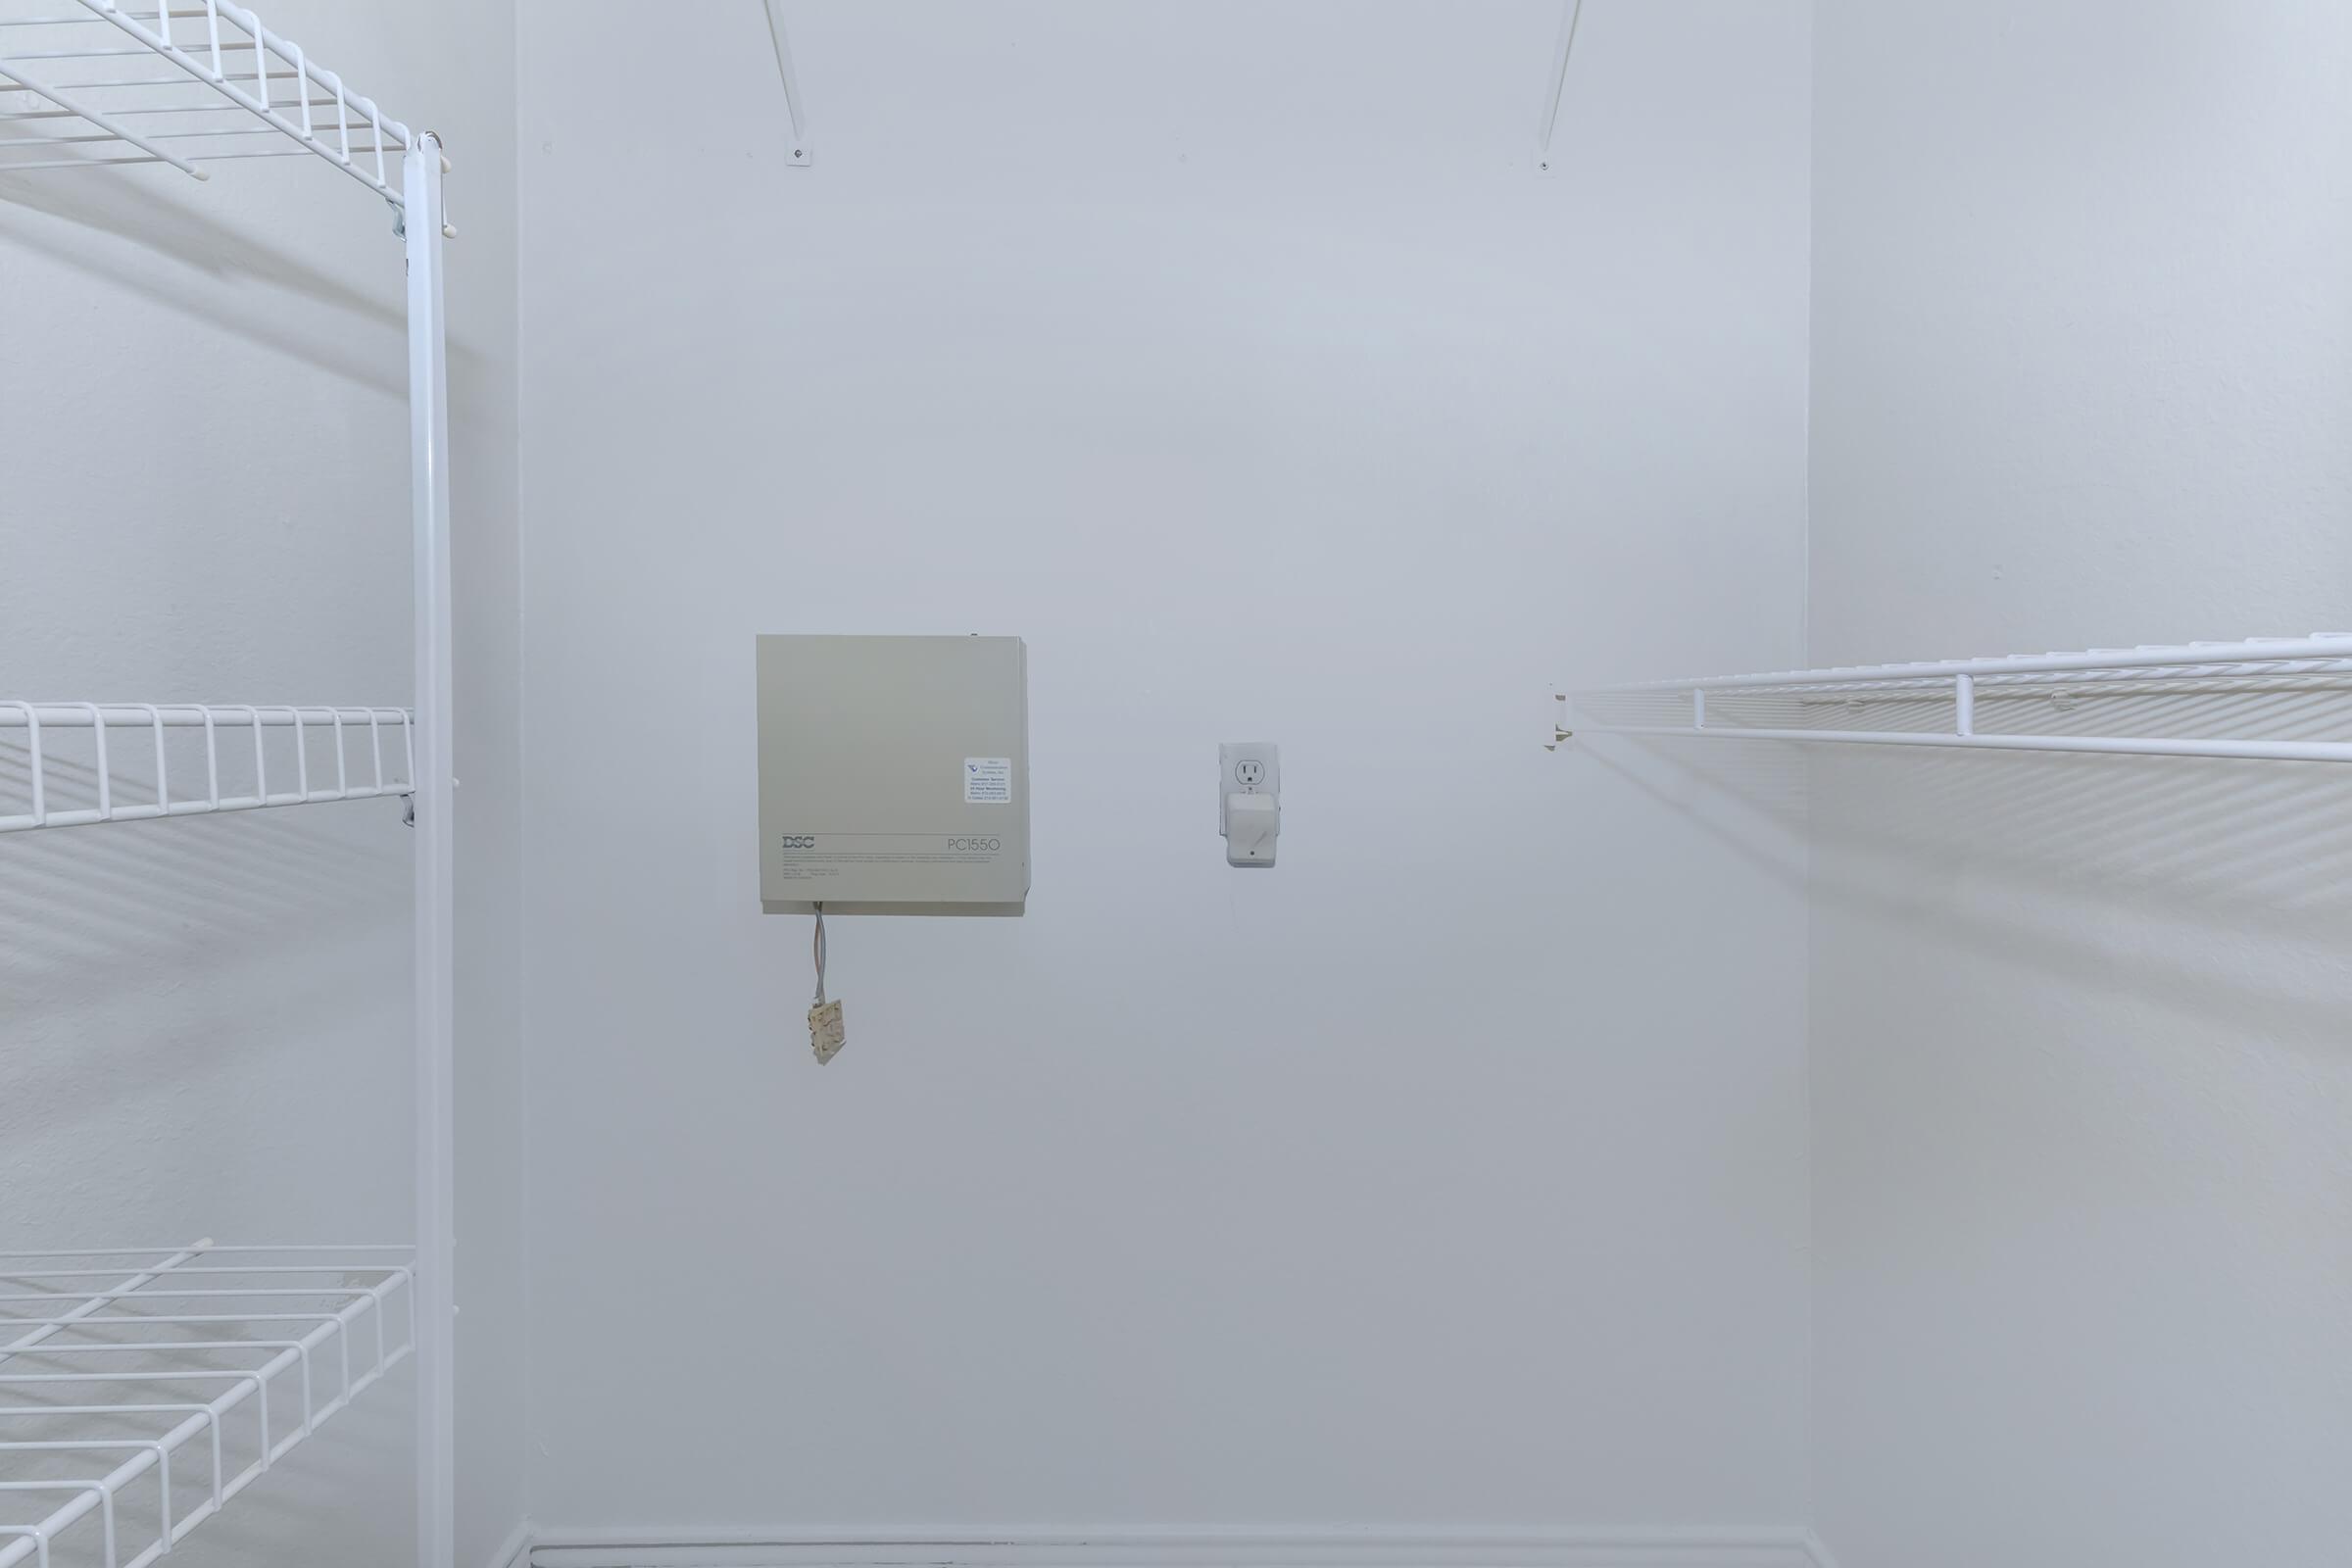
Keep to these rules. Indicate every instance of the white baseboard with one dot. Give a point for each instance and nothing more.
(982, 1547)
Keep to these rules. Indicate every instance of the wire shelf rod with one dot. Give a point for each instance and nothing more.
(113, 1297)
(2115, 745)
(206, 133)
(99, 119)
(194, 15)
(2171, 678)
(199, 1268)
(208, 1248)
(128, 163)
(206, 107)
(305, 1293)
(188, 715)
(2336, 645)
(181, 81)
(118, 52)
(96, 1305)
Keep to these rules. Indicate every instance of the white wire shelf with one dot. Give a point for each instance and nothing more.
(367, 753)
(93, 84)
(2273, 699)
(142, 1389)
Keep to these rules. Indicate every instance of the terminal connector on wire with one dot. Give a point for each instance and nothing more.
(825, 1032)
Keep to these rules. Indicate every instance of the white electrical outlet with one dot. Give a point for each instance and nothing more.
(1250, 801)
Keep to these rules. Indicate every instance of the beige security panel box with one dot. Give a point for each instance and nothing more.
(894, 775)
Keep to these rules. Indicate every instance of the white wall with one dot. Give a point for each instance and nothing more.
(1451, 1173)
(204, 1024)
(2082, 378)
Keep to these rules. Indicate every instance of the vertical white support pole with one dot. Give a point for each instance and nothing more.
(436, 1141)
(1699, 707)
(1964, 704)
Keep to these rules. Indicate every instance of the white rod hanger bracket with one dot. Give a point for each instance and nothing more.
(1572, 12)
(400, 210)
(793, 107)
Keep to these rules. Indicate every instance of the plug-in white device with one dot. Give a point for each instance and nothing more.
(1250, 801)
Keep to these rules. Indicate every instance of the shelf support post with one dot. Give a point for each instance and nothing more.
(434, 803)
(1964, 703)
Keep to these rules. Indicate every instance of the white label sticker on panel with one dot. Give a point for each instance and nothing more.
(988, 781)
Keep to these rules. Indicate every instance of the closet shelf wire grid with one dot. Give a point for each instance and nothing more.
(104, 86)
(2270, 698)
(363, 754)
(143, 1388)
